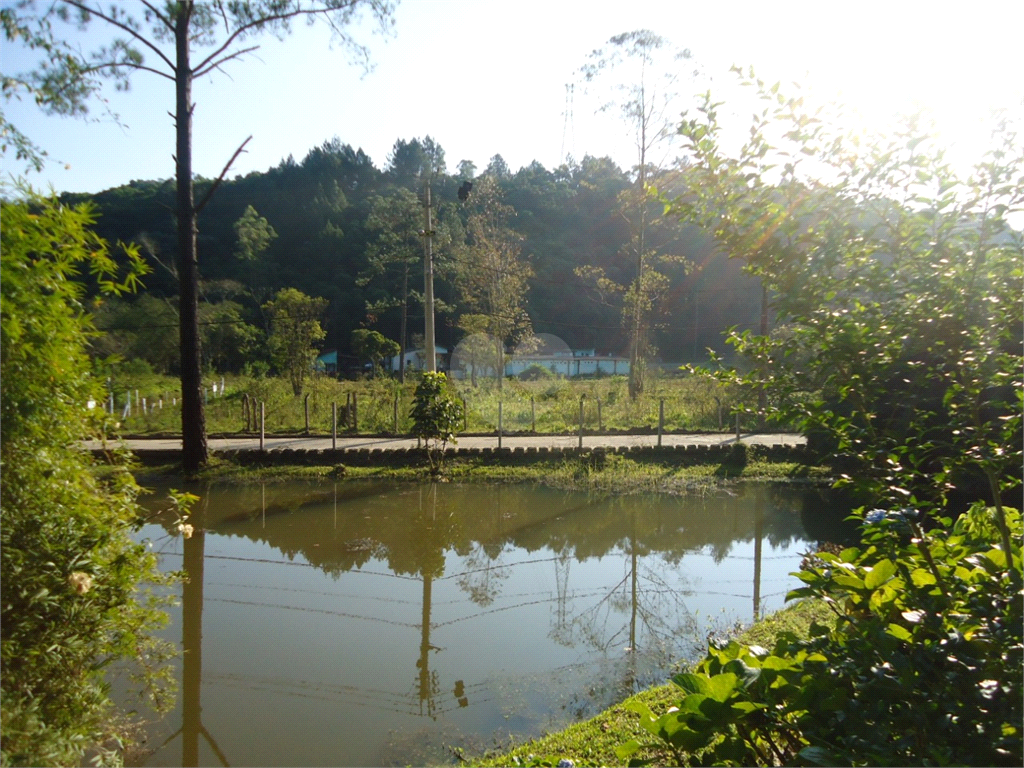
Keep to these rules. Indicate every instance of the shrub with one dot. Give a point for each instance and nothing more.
(436, 414)
(70, 571)
(536, 372)
(921, 668)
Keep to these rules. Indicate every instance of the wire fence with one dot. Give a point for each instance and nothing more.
(241, 405)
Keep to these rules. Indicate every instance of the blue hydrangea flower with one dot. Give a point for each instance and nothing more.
(874, 516)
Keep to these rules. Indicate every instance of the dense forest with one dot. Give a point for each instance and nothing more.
(335, 226)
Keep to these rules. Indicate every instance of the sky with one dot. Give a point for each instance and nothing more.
(486, 77)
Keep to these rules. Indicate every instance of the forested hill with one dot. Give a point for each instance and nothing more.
(348, 231)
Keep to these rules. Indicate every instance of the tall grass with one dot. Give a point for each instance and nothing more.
(547, 406)
(553, 405)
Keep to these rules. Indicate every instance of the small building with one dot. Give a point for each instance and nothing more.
(327, 362)
(416, 360)
(570, 364)
(580, 363)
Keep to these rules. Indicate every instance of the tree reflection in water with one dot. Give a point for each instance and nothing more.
(192, 645)
(628, 628)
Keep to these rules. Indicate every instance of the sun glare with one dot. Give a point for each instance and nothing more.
(939, 66)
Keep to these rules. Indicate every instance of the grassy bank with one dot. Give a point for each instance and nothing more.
(609, 474)
(593, 741)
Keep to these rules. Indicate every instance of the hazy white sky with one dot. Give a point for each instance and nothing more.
(487, 76)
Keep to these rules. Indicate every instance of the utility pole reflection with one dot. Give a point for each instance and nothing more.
(429, 686)
(758, 535)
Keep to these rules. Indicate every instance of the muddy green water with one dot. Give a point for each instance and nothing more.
(369, 624)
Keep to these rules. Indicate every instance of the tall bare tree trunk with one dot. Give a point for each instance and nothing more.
(637, 361)
(193, 418)
(762, 395)
(405, 324)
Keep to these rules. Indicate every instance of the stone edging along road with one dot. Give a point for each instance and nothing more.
(349, 447)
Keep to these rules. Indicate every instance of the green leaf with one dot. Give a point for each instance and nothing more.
(922, 577)
(746, 707)
(693, 683)
(849, 554)
(693, 703)
(745, 674)
(900, 633)
(779, 663)
(722, 686)
(627, 750)
(997, 556)
(688, 739)
(848, 580)
(879, 574)
(881, 598)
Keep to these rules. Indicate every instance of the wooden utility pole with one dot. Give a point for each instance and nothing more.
(428, 286)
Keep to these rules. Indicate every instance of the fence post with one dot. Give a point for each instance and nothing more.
(533, 415)
(737, 426)
(396, 414)
(721, 425)
(305, 410)
(136, 398)
(661, 419)
(263, 425)
(499, 424)
(246, 411)
(581, 421)
(600, 426)
(334, 426)
(355, 413)
(465, 416)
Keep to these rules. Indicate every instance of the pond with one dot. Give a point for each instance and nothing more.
(383, 624)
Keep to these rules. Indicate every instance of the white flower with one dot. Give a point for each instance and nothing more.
(988, 688)
(185, 530)
(82, 582)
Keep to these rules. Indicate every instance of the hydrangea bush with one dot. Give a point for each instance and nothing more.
(922, 667)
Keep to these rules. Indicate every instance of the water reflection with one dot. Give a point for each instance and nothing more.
(192, 646)
(314, 593)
